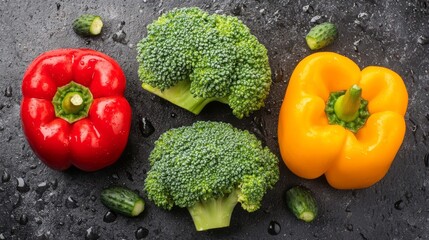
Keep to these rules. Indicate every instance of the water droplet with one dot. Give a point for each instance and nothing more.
(40, 205)
(260, 125)
(38, 220)
(12, 230)
(399, 205)
(109, 217)
(121, 24)
(426, 159)
(414, 125)
(408, 195)
(93, 198)
(5, 177)
(54, 184)
(308, 9)
(348, 209)
(279, 75)
(315, 19)
(237, 10)
(23, 220)
(91, 234)
(423, 40)
(363, 15)
(41, 188)
(173, 115)
(120, 36)
(145, 126)
(141, 233)
(115, 176)
(8, 92)
(33, 166)
(274, 228)
(22, 186)
(350, 227)
(71, 203)
(16, 200)
(129, 176)
(79, 221)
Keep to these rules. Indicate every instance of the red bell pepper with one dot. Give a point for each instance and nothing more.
(73, 110)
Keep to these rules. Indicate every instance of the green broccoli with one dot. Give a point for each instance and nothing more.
(191, 58)
(208, 168)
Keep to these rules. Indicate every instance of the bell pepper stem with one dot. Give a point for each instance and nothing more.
(347, 109)
(347, 106)
(72, 102)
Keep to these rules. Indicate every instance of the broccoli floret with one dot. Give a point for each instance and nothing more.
(208, 168)
(191, 58)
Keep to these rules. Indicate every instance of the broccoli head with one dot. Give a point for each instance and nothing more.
(208, 168)
(191, 58)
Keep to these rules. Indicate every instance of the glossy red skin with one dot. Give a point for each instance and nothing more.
(91, 143)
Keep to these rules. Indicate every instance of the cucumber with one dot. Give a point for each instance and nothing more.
(122, 200)
(88, 25)
(302, 203)
(321, 35)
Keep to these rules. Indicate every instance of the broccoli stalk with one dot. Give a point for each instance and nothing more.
(208, 168)
(182, 97)
(213, 213)
(208, 58)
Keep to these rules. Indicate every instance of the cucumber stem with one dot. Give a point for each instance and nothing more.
(96, 26)
(138, 208)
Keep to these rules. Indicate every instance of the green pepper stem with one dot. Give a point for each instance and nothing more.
(72, 102)
(347, 106)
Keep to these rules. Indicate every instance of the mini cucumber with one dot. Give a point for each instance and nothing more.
(88, 25)
(321, 35)
(122, 200)
(302, 203)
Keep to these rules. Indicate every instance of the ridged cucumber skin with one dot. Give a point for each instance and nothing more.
(82, 25)
(121, 200)
(321, 35)
(302, 203)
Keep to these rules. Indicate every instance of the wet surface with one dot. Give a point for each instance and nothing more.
(39, 203)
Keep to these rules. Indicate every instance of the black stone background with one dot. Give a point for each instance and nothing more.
(66, 205)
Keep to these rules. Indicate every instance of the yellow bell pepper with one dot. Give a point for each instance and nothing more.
(354, 140)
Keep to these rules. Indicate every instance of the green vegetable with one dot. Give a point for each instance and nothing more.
(191, 58)
(302, 203)
(321, 35)
(122, 200)
(208, 168)
(88, 25)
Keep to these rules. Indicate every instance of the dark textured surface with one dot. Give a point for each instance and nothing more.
(39, 203)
